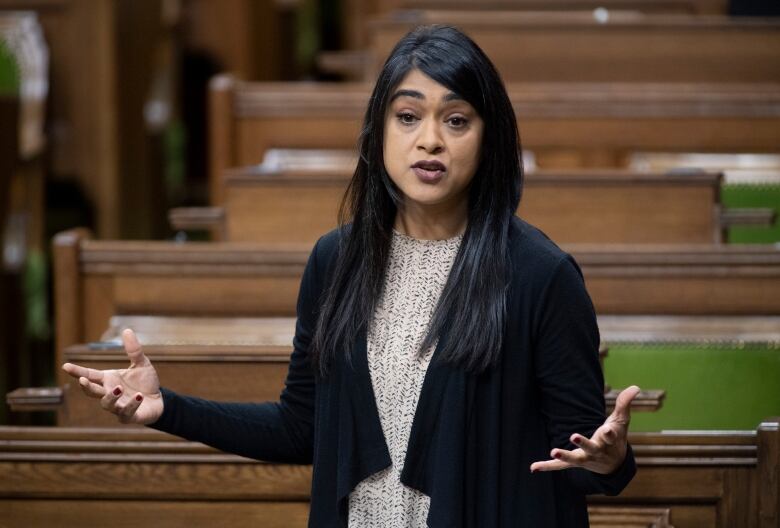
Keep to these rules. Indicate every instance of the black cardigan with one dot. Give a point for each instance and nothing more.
(473, 438)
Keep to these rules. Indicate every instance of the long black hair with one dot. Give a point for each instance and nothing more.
(473, 302)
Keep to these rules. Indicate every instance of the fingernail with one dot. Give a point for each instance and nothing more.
(576, 440)
(557, 455)
(117, 391)
(139, 398)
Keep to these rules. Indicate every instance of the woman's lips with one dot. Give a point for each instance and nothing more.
(428, 176)
(429, 171)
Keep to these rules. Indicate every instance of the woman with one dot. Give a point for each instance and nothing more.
(445, 368)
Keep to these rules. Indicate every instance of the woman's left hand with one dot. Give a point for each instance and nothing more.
(605, 451)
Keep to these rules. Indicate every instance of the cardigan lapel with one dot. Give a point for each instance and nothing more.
(424, 425)
(362, 450)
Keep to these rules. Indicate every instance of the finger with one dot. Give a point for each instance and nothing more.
(126, 413)
(622, 410)
(108, 402)
(573, 458)
(608, 435)
(93, 390)
(549, 465)
(78, 371)
(133, 348)
(586, 444)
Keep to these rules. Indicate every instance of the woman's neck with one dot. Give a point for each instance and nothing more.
(431, 222)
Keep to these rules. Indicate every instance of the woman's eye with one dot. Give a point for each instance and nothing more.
(457, 122)
(406, 118)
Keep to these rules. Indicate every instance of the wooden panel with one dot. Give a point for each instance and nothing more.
(769, 472)
(619, 214)
(99, 297)
(220, 130)
(600, 207)
(255, 137)
(163, 514)
(631, 47)
(68, 307)
(278, 213)
(272, 296)
(684, 295)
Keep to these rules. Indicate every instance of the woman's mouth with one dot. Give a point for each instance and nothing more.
(429, 171)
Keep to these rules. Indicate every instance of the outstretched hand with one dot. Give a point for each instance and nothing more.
(132, 394)
(605, 451)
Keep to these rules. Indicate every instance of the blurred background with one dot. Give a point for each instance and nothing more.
(105, 123)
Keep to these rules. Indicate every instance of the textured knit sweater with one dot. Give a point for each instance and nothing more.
(416, 274)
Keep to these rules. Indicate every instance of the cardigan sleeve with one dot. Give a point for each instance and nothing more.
(569, 374)
(280, 431)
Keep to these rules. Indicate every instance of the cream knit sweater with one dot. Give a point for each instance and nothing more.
(416, 273)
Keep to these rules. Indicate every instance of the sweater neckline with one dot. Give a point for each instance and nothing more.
(397, 235)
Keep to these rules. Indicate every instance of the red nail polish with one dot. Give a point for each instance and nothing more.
(139, 398)
(557, 455)
(117, 391)
(576, 440)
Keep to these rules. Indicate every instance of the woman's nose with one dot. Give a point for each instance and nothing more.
(429, 139)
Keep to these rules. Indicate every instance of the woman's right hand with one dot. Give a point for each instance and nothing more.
(133, 394)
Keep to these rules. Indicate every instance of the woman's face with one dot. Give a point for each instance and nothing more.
(432, 143)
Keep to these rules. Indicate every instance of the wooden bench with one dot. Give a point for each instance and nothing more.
(95, 280)
(604, 46)
(70, 477)
(699, 7)
(359, 13)
(268, 204)
(228, 359)
(564, 124)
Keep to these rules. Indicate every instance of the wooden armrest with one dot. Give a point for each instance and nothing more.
(35, 399)
(192, 218)
(758, 216)
(646, 400)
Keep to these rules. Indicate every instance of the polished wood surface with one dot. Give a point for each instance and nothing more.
(720, 478)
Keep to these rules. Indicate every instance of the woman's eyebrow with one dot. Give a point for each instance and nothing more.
(407, 93)
(449, 96)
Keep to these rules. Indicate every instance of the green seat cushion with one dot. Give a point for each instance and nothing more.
(758, 195)
(707, 387)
